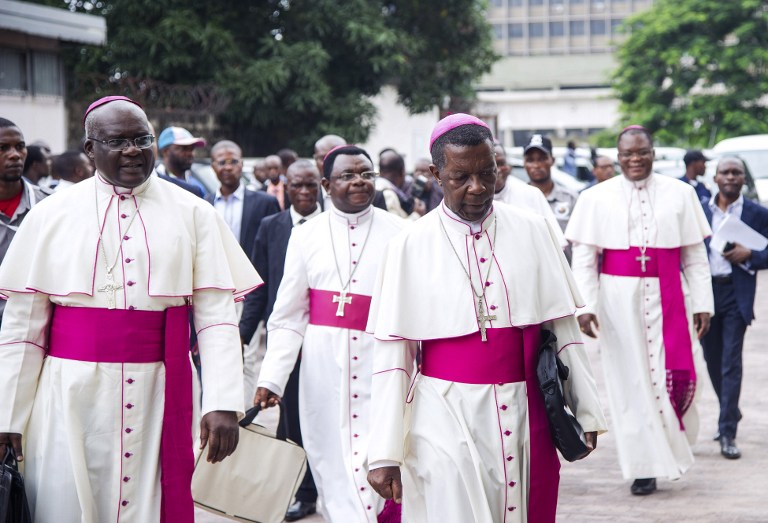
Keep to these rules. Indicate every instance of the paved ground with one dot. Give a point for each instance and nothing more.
(715, 490)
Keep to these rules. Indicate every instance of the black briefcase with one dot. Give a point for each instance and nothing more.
(13, 497)
(566, 432)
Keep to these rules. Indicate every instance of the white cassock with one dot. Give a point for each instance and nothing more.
(519, 194)
(335, 376)
(464, 447)
(92, 430)
(658, 212)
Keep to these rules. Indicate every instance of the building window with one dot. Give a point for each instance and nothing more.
(597, 27)
(556, 29)
(13, 70)
(498, 31)
(46, 74)
(536, 2)
(30, 72)
(536, 30)
(616, 25)
(577, 27)
(516, 31)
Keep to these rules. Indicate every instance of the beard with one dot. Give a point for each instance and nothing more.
(10, 178)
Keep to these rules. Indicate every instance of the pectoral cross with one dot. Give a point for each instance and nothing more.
(642, 259)
(110, 287)
(482, 319)
(342, 299)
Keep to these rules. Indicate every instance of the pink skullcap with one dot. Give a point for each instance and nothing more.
(336, 149)
(105, 101)
(453, 121)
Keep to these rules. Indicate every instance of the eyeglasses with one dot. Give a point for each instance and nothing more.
(645, 153)
(348, 177)
(231, 161)
(121, 144)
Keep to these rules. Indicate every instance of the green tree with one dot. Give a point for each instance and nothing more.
(285, 72)
(694, 71)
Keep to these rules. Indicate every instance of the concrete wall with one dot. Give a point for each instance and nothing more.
(39, 118)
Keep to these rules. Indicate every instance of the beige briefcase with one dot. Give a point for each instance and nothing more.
(257, 482)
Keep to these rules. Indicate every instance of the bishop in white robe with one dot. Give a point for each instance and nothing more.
(321, 309)
(466, 438)
(641, 264)
(94, 348)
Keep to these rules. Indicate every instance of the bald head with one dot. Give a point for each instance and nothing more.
(225, 145)
(324, 145)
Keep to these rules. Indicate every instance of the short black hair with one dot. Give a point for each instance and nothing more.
(4, 122)
(464, 135)
(636, 129)
(330, 158)
(287, 156)
(396, 164)
(64, 164)
(35, 153)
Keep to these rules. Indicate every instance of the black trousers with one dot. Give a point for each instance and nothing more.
(722, 349)
(292, 430)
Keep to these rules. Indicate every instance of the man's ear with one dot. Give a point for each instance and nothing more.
(436, 173)
(326, 183)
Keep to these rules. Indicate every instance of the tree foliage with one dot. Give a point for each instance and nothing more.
(293, 70)
(694, 71)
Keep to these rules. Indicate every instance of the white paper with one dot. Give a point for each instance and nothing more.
(733, 230)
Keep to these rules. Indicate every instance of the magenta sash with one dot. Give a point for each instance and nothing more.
(322, 310)
(133, 336)
(664, 264)
(510, 355)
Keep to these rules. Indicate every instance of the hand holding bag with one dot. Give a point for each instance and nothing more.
(13, 498)
(566, 432)
(257, 482)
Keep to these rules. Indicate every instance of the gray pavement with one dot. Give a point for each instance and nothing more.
(714, 490)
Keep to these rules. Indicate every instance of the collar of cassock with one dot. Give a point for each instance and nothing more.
(456, 223)
(104, 186)
(642, 184)
(347, 218)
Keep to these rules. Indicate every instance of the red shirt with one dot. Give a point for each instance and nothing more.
(8, 207)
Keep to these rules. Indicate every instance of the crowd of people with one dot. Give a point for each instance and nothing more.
(402, 314)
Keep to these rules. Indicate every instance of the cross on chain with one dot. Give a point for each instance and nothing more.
(642, 259)
(482, 319)
(109, 288)
(342, 299)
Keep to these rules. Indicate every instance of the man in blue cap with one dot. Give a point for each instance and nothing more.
(177, 149)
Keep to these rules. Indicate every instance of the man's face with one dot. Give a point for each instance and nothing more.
(538, 165)
(302, 187)
(178, 158)
(83, 169)
(469, 178)
(227, 163)
(635, 156)
(603, 170)
(273, 165)
(353, 195)
(131, 166)
(13, 152)
(502, 167)
(730, 177)
(699, 167)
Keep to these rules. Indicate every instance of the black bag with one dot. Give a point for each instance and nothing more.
(566, 432)
(13, 497)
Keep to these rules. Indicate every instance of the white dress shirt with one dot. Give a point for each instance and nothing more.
(231, 209)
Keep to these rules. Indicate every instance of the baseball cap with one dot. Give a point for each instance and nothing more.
(539, 142)
(694, 156)
(178, 136)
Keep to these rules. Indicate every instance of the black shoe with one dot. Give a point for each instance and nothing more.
(300, 510)
(643, 487)
(728, 448)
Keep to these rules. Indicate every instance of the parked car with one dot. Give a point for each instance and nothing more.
(753, 149)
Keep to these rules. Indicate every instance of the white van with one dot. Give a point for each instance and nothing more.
(753, 149)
